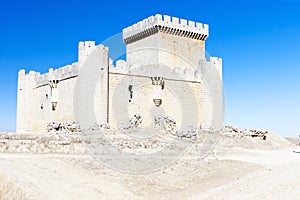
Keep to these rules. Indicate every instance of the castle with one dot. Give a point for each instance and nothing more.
(166, 73)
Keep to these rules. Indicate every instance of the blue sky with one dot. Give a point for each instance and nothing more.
(259, 42)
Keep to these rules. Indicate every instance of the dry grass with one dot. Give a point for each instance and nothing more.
(8, 191)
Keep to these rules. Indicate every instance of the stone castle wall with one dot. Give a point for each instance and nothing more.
(36, 94)
(35, 98)
(176, 95)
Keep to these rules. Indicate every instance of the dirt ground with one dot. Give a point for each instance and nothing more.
(238, 168)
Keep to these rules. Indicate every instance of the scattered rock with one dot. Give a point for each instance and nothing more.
(134, 122)
(101, 126)
(165, 123)
(231, 131)
(188, 132)
(63, 127)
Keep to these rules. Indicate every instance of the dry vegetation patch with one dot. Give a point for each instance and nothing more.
(9, 190)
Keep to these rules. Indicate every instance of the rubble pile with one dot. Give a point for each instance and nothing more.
(165, 123)
(232, 131)
(258, 133)
(134, 122)
(63, 127)
(189, 132)
(97, 126)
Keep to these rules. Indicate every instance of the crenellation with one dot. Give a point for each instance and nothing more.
(167, 24)
(191, 24)
(61, 73)
(204, 27)
(167, 19)
(86, 44)
(121, 64)
(183, 23)
(158, 18)
(217, 62)
(121, 67)
(175, 21)
(199, 26)
(150, 20)
(32, 73)
(215, 59)
(22, 72)
(85, 49)
(177, 74)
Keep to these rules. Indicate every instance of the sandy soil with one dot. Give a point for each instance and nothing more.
(279, 177)
(234, 170)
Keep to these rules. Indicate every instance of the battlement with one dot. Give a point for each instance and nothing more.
(166, 24)
(62, 73)
(31, 74)
(179, 74)
(215, 60)
(86, 44)
(86, 48)
(59, 74)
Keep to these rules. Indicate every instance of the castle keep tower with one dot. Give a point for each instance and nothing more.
(163, 43)
(165, 40)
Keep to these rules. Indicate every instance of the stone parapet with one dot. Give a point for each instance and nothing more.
(166, 24)
(59, 74)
